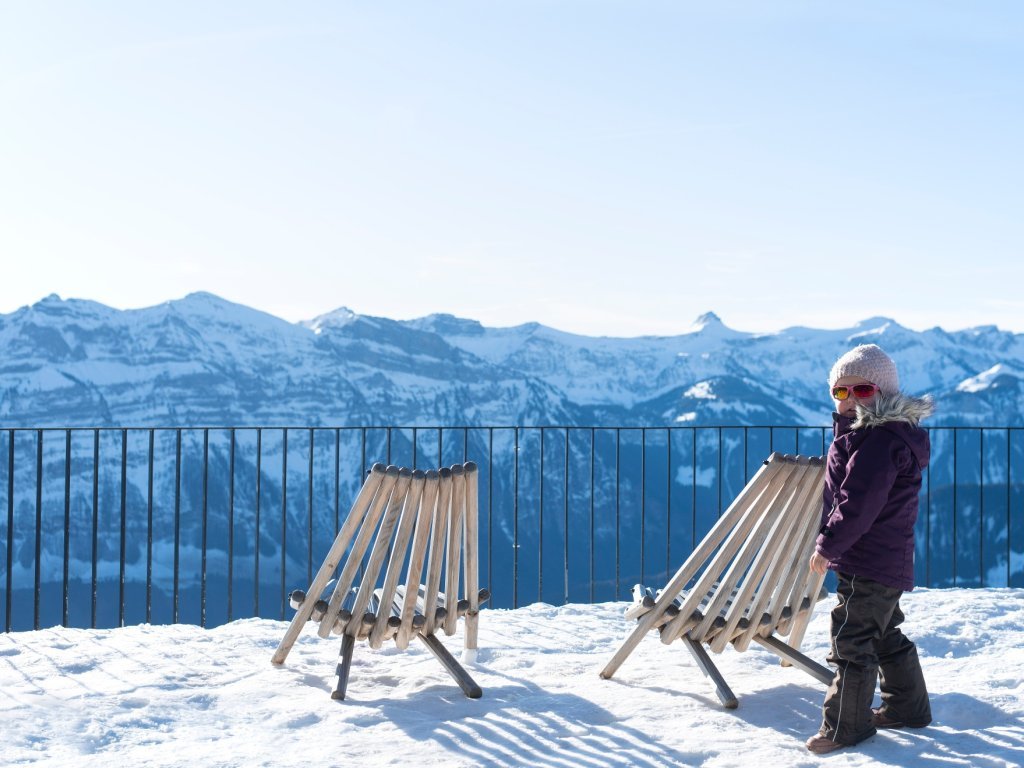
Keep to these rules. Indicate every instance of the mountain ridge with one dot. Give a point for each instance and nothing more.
(203, 359)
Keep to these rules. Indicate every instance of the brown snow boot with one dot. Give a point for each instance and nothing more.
(880, 719)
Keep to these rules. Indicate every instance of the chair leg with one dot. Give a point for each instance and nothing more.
(470, 688)
(347, 644)
(725, 694)
(788, 653)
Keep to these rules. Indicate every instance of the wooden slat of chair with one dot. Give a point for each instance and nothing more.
(471, 547)
(686, 571)
(453, 558)
(414, 574)
(798, 624)
(399, 551)
(435, 562)
(808, 588)
(360, 506)
(366, 528)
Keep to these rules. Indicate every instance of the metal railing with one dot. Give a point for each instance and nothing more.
(114, 526)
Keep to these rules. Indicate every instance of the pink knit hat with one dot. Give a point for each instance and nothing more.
(869, 362)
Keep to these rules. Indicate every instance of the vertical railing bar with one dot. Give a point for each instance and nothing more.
(1009, 464)
(540, 526)
(465, 444)
(337, 479)
(39, 529)
(362, 477)
(981, 506)
(668, 500)
(565, 523)
(593, 493)
(204, 520)
(256, 546)
(618, 474)
(643, 502)
(955, 440)
(718, 513)
(388, 433)
(362, 473)
(309, 547)
(231, 524)
(693, 487)
(9, 587)
(177, 522)
(440, 446)
(124, 527)
(515, 516)
(746, 456)
(490, 506)
(95, 518)
(927, 521)
(284, 519)
(65, 601)
(149, 529)
(415, 442)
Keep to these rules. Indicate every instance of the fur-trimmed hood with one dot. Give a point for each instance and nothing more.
(885, 409)
(897, 413)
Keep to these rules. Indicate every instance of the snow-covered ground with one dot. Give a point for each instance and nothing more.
(185, 696)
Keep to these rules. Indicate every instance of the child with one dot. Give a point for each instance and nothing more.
(872, 481)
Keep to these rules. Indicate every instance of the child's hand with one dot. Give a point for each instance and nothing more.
(818, 564)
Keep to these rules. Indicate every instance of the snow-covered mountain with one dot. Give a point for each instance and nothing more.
(204, 360)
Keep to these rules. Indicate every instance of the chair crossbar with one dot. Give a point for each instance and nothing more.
(718, 622)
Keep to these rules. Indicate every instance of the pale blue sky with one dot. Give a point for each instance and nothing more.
(608, 168)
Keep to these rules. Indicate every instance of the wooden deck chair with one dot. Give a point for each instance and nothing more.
(418, 518)
(748, 580)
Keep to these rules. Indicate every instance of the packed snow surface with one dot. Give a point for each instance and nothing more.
(182, 695)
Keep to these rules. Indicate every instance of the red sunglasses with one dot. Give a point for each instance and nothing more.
(857, 390)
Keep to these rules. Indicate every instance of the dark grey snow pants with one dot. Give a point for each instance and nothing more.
(868, 646)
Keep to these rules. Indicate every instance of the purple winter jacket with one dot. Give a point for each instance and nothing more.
(872, 482)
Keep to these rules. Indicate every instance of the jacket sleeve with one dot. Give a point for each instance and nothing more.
(871, 472)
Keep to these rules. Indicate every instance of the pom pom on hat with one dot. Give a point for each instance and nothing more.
(869, 362)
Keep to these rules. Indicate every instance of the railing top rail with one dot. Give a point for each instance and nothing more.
(582, 427)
